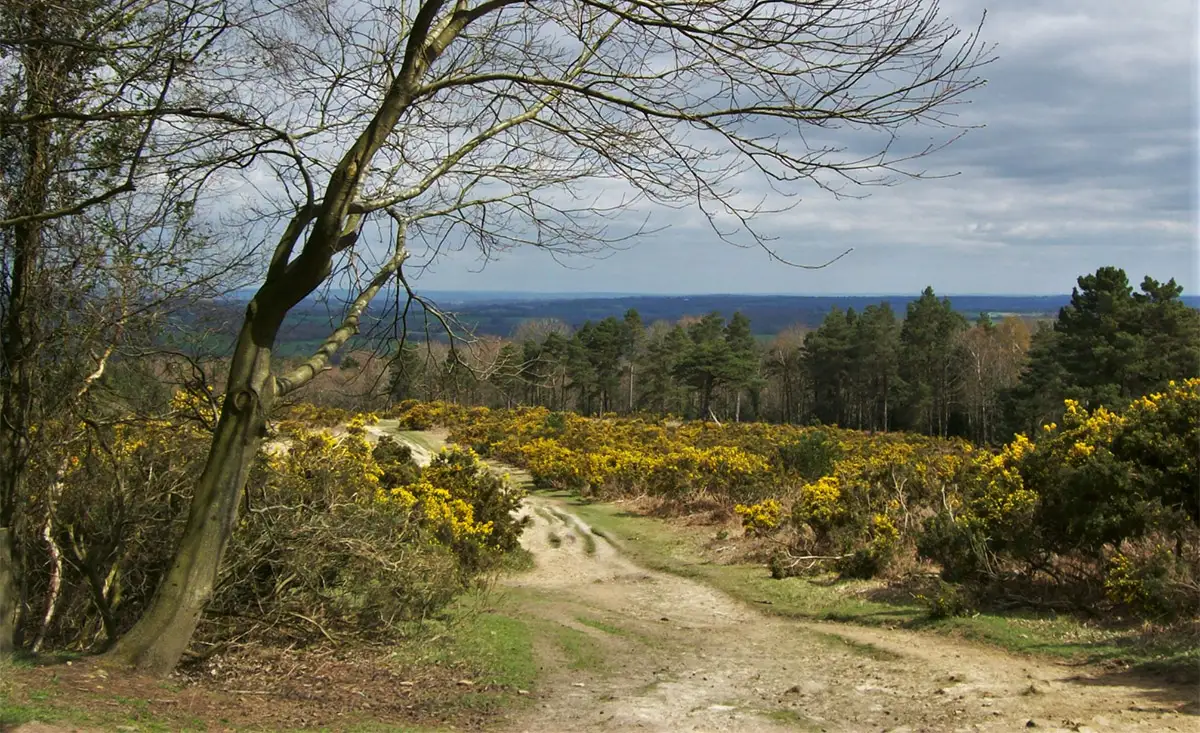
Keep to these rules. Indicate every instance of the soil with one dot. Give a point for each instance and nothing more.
(256, 689)
(681, 656)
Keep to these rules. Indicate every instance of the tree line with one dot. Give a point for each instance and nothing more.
(928, 370)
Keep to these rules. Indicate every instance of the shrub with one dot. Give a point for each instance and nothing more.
(1046, 509)
(760, 518)
(957, 547)
(1150, 580)
(946, 600)
(819, 504)
(873, 559)
(810, 456)
(337, 537)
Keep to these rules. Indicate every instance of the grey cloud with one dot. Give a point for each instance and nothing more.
(1087, 158)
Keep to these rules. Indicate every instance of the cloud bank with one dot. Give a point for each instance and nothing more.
(1087, 156)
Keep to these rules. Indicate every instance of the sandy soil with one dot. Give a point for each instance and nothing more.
(689, 658)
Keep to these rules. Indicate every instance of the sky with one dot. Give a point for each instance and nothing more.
(1087, 157)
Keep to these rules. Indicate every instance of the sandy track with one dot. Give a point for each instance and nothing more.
(677, 655)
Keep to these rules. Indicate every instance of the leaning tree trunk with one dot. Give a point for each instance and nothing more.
(159, 639)
(156, 643)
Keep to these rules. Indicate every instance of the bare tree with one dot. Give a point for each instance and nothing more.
(993, 357)
(96, 222)
(503, 123)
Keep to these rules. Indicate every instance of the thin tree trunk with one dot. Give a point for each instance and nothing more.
(18, 343)
(631, 388)
(100, 587)
(885, 407)
(56, 568)
(8, 592)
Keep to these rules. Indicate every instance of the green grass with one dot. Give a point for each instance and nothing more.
(858, 647)
(488, 636)
(599, 625)
(582, 652)
(43, 706)
(660, 545)
(589, 542)
(485, 637)
(517, 561)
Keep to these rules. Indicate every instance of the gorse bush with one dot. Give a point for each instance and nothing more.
(813, 455)
(1079, 505)
(760, 518)
(336, 536)
(353, 537)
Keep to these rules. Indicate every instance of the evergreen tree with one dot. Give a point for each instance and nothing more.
(635, 334)
(659, 389)
(705, 364)
(929, 361)
(742, 370)
(406, 373)
(1108, 346)
(828, 355)
(876, 361)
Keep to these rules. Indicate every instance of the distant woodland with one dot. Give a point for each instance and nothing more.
(921, 366)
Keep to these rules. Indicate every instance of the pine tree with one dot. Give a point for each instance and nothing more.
(929, 361)
(876, 354)
(1108, 346)
(705, 364)
(406, 373)
(743, 362)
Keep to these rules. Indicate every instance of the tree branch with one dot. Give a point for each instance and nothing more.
(305, 373)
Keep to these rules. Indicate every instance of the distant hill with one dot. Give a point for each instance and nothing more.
(499, 313)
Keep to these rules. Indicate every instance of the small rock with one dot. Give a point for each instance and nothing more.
(522, 692)
(406, 683)
(466, 683)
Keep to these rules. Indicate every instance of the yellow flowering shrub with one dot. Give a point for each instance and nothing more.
(1078, 485)
(760, 518)
(819, 503)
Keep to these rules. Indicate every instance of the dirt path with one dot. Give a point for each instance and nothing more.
(625, 648)
(420, 451)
